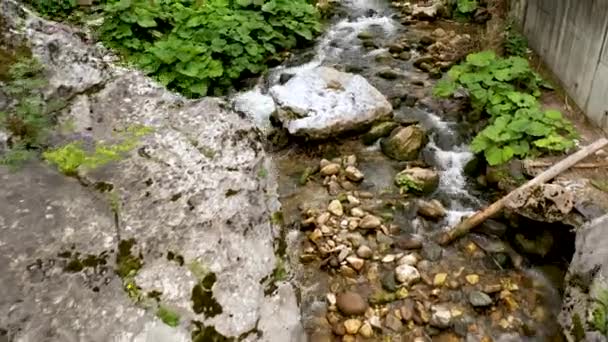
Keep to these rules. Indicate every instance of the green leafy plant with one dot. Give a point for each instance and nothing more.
(54, 8)
(515, 44)
(28, 119)
(466, 6)
(507, 90)
(407, 184)
(73, 156)
(599, 312)
(197, 46)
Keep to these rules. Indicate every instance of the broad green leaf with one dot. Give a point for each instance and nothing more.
(519, 125)
(481, 59)
(553, 115)
(467, 6)
(444, 88)
(520, 148)
(457, 70)
(244, 3)
(538, 129)
(479, 144)
(498, 155)
(200, 88)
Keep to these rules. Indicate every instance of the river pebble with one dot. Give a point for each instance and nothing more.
(351, 303)
(370, 222)
(479, 299)
(352, 326)
(407, 274)
(335, 207)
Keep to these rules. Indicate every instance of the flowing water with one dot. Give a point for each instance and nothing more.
(532, 317)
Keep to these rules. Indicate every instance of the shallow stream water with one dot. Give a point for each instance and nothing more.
(526, 301)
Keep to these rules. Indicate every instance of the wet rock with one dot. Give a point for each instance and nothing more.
(366, 330)
(404, 143)
(440, 279)
(405, 56)
(352, 326)
(356, 263)
(426, 41)
(348, 272)
(407, 310)
(396, 48)
(322, 102)
(330, 170)
(370, 222)
(472, 279)
(426, 60)
(479, 299)
(363, 35)
(439, 33)
(409, 241)
(431, 251)
(393, 322)
(351, 303)
(364, 252)
(441, 317)
(428, 13)
(389, 282)
(353, 174)
(335, 207)
(389, 73)
(410, 259)
(378, 131)
(352, 199)
(432, 209)
(418, 179)
(407, 274)
(357, 212)
(384, 57)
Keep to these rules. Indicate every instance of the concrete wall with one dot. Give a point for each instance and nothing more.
(572, 38)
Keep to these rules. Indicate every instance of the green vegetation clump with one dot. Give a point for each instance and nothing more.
(466, 7)
(28, 120)
(599, 312)
(407, 184)
(169, 317)
(56, 9)
(73, 156)
(197, 46)
(508, 90)
(515, 44)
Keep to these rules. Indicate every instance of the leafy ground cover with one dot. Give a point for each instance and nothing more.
(507, 90)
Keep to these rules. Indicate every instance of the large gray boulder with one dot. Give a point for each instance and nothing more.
(323, 102)
(586, 280)
(194, 200)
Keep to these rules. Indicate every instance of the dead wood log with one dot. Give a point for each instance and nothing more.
(479, 217)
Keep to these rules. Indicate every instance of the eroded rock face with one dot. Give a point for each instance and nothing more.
(323, 102)
(196, 189)
(585, 280)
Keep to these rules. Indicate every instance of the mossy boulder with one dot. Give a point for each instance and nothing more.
(417, 180)
(404, 143)
(378, 131)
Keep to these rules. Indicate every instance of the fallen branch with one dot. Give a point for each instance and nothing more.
(535, 164)
(471, 222)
